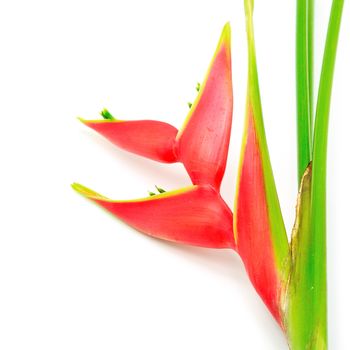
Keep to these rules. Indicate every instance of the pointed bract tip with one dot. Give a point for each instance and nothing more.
(86, 192)
(226, 34)
(82, 120)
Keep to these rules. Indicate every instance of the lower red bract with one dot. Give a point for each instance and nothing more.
(196, 216)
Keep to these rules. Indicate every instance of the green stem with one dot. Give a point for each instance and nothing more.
(311, 14)
(304, 82)
(317, 256)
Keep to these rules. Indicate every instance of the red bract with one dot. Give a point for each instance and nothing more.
(147, 138)
(195, 215)
(253, 227)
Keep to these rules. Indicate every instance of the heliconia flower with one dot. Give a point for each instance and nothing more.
(198, 215)
(290, 278)
(195, 215)
(259, 228)
(202, 142)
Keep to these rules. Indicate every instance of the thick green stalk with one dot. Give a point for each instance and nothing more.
(304, 82)
(306, 320)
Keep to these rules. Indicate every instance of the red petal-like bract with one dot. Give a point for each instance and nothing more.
(253, 233)
(196, 215)
(147, 138)
(202, 143)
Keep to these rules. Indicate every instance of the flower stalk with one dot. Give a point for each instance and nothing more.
(307, 321)
(304, 82)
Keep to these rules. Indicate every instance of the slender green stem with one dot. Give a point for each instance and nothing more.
(311, 14)
(304, 82)
(317, 258)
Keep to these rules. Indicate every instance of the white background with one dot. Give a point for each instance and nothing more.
(74, 277)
